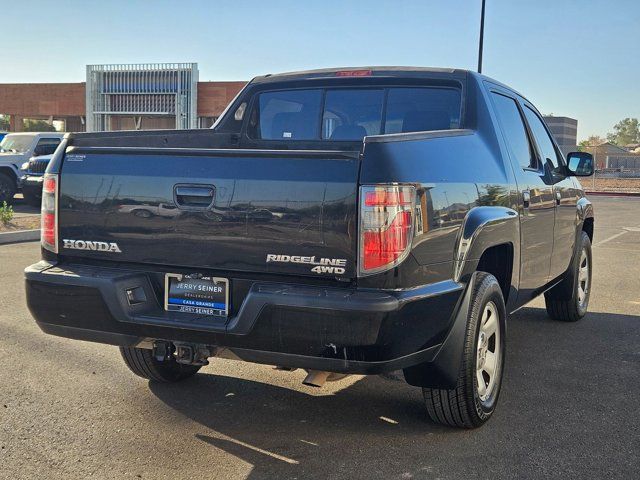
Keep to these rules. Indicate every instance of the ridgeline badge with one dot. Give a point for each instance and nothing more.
(323, 265)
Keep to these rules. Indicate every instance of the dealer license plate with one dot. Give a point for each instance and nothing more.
(196, 294)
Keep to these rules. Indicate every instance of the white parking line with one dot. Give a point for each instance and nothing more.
(612, 237)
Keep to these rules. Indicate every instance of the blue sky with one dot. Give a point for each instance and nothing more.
(578, 58)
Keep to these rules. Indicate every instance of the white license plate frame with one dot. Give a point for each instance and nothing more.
(189, 301)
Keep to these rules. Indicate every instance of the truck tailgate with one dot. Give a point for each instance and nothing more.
(285, 212)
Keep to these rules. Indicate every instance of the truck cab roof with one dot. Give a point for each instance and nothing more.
(376, 71)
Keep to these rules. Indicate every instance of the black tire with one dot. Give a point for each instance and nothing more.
(32, 198)
(142, 362)
(7, 189)
(463, 406)
(563, 301)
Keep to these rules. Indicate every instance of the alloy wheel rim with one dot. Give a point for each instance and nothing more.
(488, 351)
(583, 278)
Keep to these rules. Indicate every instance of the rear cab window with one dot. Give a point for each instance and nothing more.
(286, 115)
(350, 114)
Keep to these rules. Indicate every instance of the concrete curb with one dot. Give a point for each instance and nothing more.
(613, 194)
(20, 236)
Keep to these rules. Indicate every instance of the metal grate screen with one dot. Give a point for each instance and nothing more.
(141, 90)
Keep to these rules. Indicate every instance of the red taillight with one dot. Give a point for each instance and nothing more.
(49, 228)
(49, 185)
(386, 226)
(48, 219)
(385, 198)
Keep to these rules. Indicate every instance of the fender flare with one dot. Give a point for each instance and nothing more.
(483, 228)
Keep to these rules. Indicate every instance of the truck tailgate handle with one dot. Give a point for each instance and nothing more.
(196, 197)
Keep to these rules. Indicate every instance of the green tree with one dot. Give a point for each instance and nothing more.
(625, 132)
(37, 126)
(591, 141)
(494, 195)
(4, 123)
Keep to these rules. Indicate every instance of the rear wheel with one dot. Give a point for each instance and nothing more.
(474, 399)
(568, 301)
(142, 362)
(7, 189)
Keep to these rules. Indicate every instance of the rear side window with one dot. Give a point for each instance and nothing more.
(46, 146)
(422, 109)
(351, 114)
(514, 130)
(287, 115)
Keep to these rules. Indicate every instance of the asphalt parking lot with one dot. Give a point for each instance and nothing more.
(569, 407)
(22, 209)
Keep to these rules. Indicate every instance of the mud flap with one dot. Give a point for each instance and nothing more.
(442, 371)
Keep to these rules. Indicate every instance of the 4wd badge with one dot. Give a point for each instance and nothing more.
(322, 265)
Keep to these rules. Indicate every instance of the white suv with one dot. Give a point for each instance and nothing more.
(15, 150)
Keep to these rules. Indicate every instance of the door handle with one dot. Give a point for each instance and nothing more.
(526, 199)
(194, 197)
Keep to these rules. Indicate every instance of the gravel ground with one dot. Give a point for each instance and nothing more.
(622, 185)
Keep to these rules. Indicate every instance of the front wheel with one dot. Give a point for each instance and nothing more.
(474, 399)
(568, 301)
(142, 362)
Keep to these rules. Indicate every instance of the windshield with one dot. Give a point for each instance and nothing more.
(353, 113)
(16, 143)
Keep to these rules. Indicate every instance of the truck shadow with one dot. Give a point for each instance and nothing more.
(378, 428)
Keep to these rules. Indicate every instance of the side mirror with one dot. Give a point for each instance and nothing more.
(580, 164)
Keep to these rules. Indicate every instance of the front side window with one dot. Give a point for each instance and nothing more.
(514, 130)
(548, 153)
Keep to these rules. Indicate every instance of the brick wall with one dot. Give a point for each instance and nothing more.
(42, 99)
(213, 97)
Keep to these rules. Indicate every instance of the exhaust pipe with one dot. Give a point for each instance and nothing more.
(316, 378)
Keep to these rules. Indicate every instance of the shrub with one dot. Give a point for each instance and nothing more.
(6, 213)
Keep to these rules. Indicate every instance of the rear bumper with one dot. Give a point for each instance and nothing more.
(325, 328)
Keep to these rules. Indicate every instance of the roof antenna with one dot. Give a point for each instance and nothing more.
(481, 39)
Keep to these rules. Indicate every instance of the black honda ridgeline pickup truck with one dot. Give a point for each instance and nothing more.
(339, 221)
